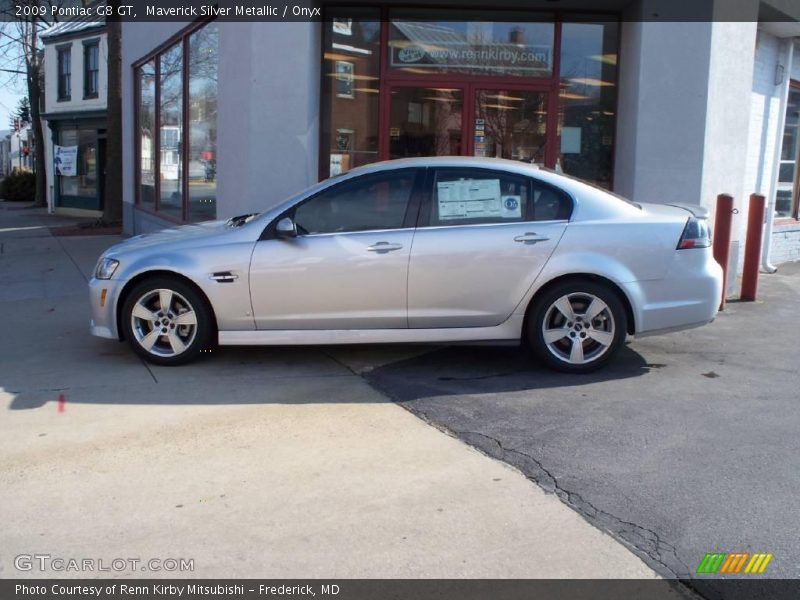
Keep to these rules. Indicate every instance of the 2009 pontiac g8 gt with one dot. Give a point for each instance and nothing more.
(417, 250)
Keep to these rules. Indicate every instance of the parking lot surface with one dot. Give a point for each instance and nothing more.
(295, 462)
(687, 444)
(257, 462)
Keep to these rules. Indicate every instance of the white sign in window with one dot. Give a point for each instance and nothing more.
(475, 199)
(570, 140)
(65, 159)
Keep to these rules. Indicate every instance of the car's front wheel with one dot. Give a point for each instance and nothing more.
(577, 326)
(167, 322)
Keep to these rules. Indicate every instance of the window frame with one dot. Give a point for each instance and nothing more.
(794, 211)
(410, 219)
(88, 47)
(64, 80)
(426, 211)
(181, 38)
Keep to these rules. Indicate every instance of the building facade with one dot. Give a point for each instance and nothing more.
(5, 153)
(76, 84)
(221, 119)
(17, 151)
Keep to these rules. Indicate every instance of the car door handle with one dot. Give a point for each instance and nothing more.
(384, 247)
(530, 237)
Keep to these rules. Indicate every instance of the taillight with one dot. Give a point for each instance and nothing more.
(695, 235)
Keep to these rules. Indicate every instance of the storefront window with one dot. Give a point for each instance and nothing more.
(171, 129)
(83, 184)
(87, 162)
(351, 74)
(147, 128)
(185, 159)
(587, 100)
(68, 186)
(203, 61)
(427, 42)
(471, 83)
(786, 198)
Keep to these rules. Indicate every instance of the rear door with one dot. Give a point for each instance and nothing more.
(483, 237)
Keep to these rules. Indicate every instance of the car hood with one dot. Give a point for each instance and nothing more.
(172, 235)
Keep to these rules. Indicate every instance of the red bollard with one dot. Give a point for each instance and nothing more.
(723, 223)
(752, 246)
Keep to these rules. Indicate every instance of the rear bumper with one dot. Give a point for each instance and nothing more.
(688, 296)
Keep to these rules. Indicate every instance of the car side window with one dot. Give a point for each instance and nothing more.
(369, 202)
(474, 196)
(549, 203)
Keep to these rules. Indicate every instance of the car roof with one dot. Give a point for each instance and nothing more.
(447, 161)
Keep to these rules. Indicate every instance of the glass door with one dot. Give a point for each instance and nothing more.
(426, 121)
(510, 123)
(467, 119)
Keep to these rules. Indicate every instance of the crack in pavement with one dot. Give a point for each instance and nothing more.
(644, 542)
(479, 377)
(640, 538)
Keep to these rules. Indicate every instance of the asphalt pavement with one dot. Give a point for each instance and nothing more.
(688, 443)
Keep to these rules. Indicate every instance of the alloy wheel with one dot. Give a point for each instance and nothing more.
(163, 322)
(578, 328)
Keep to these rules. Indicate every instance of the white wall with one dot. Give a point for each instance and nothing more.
(765, 104)
(725, 146)
(268, 129)
(663, 97)
(76, 101)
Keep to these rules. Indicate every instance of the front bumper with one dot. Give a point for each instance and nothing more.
(104, 311)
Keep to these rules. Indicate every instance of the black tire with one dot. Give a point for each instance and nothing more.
(175, 324)
(599, 341)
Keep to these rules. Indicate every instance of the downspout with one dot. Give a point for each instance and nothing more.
(766, 244)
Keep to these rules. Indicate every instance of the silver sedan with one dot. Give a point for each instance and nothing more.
(418, 250)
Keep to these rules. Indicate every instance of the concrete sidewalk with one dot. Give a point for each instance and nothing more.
(255, 463)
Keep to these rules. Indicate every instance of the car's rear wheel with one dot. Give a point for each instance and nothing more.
(577, 326)
(167, 322)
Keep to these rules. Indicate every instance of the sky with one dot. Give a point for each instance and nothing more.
(11, 89)
(8, 102)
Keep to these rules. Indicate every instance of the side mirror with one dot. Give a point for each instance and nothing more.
(285, 228)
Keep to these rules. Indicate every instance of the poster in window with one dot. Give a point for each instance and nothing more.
(339, 163)
(343, 26)
(66, 159)
(344, 140)
(344, 79)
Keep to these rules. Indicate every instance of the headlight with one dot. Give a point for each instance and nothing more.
(106, 268)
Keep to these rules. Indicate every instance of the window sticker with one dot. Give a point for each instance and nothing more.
(511, 207)
(475, 199)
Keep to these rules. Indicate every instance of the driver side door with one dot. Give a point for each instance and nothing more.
(347, 268)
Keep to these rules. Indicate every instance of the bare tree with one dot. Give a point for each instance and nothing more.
(21, 56)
